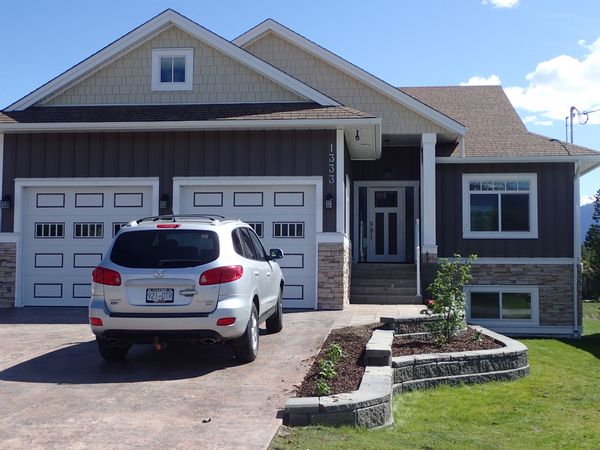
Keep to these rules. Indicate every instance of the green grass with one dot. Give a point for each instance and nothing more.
(556, 406)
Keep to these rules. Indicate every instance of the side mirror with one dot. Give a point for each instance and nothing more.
(275, 253)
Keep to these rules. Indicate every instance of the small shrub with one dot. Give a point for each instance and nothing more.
(334, 353)
(322, 387)
(327, 371)
(448, 298)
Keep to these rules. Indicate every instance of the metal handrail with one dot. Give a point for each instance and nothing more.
(418, 254)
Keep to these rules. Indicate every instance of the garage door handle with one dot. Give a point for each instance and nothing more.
(256, 272)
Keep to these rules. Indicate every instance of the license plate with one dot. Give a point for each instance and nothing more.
(159, 295)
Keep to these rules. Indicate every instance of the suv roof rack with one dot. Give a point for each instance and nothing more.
(174, 217)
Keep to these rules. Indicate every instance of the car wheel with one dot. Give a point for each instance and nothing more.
(275, 322)
(111, 353)
(245, 348)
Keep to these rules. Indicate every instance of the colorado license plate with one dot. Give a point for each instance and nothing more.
(159, 295)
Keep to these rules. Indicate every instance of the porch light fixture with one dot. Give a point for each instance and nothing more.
(329, 201)
(6, 202)
(163, 203)
(357, 137)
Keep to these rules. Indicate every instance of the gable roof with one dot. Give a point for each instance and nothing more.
(415, 105)
(148, 30)
(495, 128)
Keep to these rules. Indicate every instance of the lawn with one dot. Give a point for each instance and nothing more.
(556, 406)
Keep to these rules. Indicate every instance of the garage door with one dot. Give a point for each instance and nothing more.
(282, 216)
(65, 234)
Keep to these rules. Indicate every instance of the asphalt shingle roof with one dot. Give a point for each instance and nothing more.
(495, 128)
(159, 113)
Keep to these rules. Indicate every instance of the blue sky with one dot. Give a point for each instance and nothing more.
(546, 53)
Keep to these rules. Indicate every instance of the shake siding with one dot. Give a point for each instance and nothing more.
(167, 155)
(217, 79)
(555, 212)
(336, 84)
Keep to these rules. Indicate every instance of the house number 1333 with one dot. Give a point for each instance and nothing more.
(331, 165)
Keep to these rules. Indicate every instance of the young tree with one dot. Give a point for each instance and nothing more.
(591, 251)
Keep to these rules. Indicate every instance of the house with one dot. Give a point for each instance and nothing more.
(340, 169)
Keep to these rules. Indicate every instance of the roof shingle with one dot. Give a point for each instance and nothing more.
(495, 128)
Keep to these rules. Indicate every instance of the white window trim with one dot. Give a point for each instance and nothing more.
(533, 206)
(529, 289)
(188, 54)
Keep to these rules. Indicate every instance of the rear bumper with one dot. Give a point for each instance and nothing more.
(145, 327)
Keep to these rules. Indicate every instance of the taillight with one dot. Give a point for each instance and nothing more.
(168, 225)
(106, 276)
(96, 321)
(221, 275)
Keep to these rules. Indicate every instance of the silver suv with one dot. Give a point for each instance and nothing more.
(201, 279)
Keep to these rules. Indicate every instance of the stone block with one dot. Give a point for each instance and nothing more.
(333, 418)
(302, 405)
(402, 374)
(374, 416)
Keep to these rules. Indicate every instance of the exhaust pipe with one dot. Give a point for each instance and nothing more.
(208, 341)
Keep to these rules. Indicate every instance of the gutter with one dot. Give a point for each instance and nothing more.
(577, 330)
(191, 125)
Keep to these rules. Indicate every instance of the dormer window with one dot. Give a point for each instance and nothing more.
(172, 69)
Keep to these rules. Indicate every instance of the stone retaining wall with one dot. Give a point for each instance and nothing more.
(429, 370)
(8, 262)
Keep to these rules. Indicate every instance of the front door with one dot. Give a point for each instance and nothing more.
(386, 224)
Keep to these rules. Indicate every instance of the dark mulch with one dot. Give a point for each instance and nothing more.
(465, 341)
(353, 341)
(350, 369)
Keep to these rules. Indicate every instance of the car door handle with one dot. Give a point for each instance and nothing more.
(256, 272)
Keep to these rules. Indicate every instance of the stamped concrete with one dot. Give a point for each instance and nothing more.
(56, 391)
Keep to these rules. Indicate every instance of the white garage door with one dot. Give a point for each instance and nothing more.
(282, 216)
(65, 234)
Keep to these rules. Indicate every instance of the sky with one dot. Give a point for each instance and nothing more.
(545, 53)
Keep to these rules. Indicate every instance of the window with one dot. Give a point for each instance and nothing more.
(288, 229)
(257, 227)
(500, 206)
(49, 230)
(172, 69)
(509, 304)
(88, 230)
(117, 227)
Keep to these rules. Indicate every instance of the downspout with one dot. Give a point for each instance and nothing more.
(577, 330)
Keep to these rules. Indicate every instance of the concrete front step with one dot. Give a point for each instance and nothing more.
(383, 290)
(385, 274)
(373, 282)
(385, 299)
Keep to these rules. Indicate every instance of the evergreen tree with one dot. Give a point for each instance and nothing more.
(591, 252)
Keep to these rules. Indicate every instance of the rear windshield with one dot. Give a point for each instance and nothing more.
(165, 248)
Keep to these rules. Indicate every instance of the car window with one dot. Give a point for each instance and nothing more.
(249, 248)
(259, 249)
(237, 242)
(165, 248)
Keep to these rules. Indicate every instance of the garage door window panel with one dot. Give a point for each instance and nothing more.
(49, 230)
(90, 230)
(288, 229)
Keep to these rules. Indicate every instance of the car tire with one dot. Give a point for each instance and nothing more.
(245, 348)
(112, 353)
(275, 322)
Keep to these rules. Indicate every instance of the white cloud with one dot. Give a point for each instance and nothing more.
(501, 3)
(586, 199)
(482, 81)
(559, 83)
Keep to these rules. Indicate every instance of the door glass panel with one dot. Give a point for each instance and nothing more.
(379, 233)
(386, 199)
(392, 234)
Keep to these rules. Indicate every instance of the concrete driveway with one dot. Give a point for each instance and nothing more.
(56, 391)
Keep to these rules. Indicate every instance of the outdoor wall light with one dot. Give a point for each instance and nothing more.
(163, 203)
(357, 137)
(6, 202)
(328, 201)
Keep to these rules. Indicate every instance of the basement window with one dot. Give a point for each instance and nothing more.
(172, 69)
(487, 305)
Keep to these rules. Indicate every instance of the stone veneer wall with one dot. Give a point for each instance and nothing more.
(555, 282)
(333, 284)
(8, 262)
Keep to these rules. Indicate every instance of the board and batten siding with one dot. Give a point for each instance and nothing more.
(166, 155)
(555, 212)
